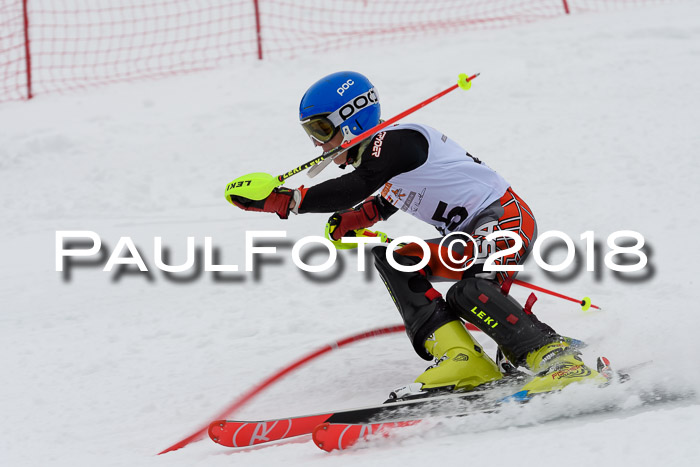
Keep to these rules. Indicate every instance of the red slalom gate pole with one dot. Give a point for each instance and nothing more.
(585, 302)
(248, 395)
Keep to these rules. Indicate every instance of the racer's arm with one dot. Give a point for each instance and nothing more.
(396, 152)
(387, 155)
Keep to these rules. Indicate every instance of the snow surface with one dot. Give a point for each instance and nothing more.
(592, 118)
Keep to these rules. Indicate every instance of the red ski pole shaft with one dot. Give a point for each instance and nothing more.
(462, 82)
(585, 301)
(398, 117)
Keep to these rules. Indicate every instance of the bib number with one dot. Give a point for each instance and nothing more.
(454, 217)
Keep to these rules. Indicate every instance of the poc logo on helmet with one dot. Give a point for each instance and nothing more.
(346, 85)
(359, 103)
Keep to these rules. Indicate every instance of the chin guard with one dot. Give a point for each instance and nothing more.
(316, 169)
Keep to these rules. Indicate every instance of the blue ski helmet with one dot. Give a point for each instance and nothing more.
(345, 101)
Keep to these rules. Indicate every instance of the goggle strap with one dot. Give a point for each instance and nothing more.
(336, 117)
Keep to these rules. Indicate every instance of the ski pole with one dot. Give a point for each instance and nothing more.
(463, 81)
(259, 185)
(585, 302)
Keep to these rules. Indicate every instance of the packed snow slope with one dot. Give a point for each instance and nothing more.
(592, 118)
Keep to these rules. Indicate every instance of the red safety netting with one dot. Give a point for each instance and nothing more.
(78, 43)
(13, 64)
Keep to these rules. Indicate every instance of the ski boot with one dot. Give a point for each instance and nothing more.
(461, 363)
(556, 365)
(506, 367)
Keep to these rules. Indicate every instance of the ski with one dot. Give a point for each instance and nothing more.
(344, 427)
(340, 436)
(239, 433)
(330, 436)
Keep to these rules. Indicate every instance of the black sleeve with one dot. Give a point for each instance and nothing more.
(387, 155)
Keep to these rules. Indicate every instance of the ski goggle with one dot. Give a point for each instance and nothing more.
(320, 128)
(324, 127)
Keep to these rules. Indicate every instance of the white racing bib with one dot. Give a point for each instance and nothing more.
(449, 189)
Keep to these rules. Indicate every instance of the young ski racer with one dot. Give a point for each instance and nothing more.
(418, 170)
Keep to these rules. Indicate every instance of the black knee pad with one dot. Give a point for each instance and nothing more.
(423, 312)
(500, 317)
